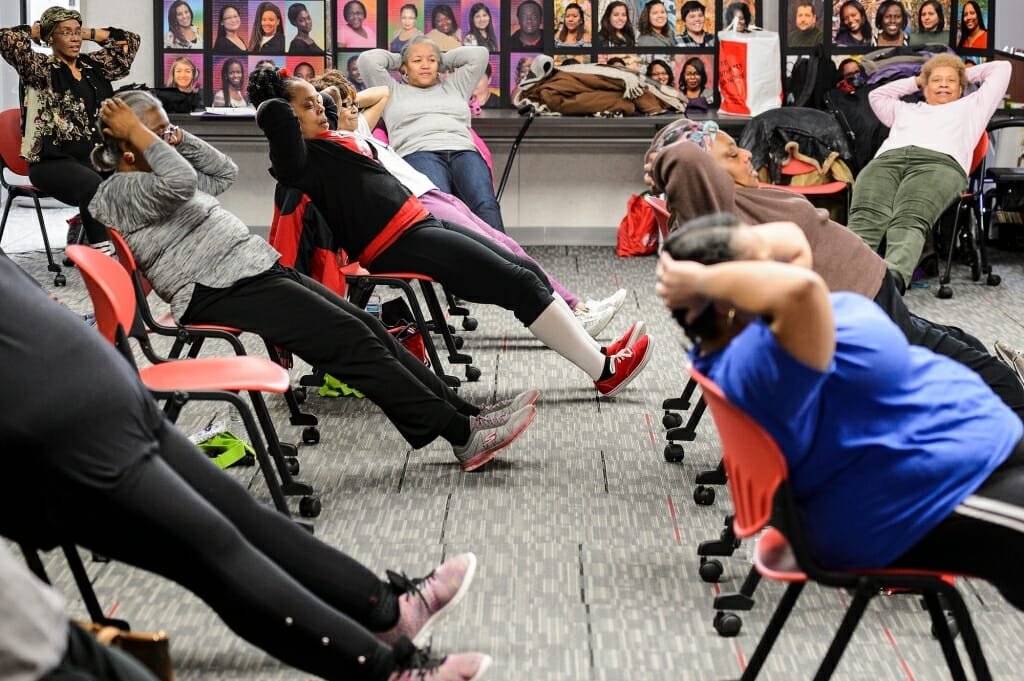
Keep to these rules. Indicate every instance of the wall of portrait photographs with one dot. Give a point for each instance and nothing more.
(211, 45)
(849, 28)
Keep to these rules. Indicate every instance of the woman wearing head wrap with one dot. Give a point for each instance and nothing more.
(63, 92)
(702, 170)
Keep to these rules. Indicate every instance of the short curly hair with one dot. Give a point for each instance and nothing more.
(949, 60)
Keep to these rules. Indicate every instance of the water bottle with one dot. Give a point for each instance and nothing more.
(373, 305)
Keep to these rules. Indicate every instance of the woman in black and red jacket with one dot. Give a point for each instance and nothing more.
(380, 223)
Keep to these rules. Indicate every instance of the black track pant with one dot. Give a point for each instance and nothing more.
(469, 266)
(72, 182)
(293, 311)
(984, 536)
(107, 471)
(955, 344)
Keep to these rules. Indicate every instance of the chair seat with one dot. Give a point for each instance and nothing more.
(773, 558)
(167, 319)
(394, 275)
(216, 373)
(811, 189)
(1005, 174)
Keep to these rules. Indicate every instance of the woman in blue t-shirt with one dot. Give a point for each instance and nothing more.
(897, 456)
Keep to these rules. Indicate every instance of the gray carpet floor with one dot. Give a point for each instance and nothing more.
(586, 536)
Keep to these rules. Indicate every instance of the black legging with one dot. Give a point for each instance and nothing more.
(469, 266)
(72, 182)
(955, 344)
(108, 472)
(291, 310)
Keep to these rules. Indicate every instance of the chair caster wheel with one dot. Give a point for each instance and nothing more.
(470, 323)
(292, 464)
(703, 495)
(459, 342)
(299, 394)
(472, 373)
(310, 435)
(727, 624)
(993, 280)
(671, 420)
(710, 570)
(309, 507)
(60, 280)
(673, 453)
(945, 292)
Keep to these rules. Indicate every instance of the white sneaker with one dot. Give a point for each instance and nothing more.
(1011, 357)
(595, 319)
(615, 301)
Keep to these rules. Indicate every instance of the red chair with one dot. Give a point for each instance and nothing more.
(758, 480)
(970, 232)
(11, 160)
(178, 381)
(194, 335)
(794, 167)
(662, 216)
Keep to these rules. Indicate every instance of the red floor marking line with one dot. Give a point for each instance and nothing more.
(504, 345)
(675, 525)
(892, 642)
(743, 660)
(718, 591)
(113, 608)
(650, 431)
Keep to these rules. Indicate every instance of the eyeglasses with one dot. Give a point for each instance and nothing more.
(349, 104)
(170, 133)
(67, 34)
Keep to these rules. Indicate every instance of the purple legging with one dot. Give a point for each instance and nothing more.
(450, 209)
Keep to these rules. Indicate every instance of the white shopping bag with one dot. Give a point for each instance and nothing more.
(749, 71)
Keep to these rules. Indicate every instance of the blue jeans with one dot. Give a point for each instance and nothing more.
(464, 174)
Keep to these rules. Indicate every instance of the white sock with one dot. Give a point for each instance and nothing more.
(558, 329)
(590, 339)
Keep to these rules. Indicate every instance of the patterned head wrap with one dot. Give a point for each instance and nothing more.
(54, 16)
(695, 132)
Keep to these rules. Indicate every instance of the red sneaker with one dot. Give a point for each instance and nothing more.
(625, 364)
(632, 335)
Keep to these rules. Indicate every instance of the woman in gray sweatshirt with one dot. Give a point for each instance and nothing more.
(428, 118)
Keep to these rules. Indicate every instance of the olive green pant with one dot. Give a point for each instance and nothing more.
(900, 195)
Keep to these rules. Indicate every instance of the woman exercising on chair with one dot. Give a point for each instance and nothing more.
(897, 456)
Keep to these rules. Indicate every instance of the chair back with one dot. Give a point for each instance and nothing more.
(662, 216)
(980, 150)
(110, 288)
(10, 143)
(753, 462)
(127, 260)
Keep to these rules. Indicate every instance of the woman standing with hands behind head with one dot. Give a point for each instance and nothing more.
(63, 93)
(267, 30)
(429, 120)
(182, 32)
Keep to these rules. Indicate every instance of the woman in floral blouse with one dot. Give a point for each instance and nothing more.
(62, 96)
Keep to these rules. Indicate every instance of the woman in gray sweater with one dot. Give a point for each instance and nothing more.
(428, 118)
